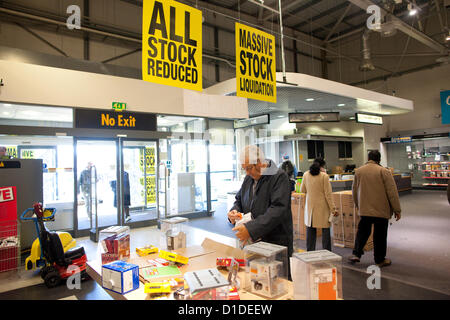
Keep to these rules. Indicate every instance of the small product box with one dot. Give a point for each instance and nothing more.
(207, 284)
(114, 244)
(120, 277)
(266, 269)
(317, 275)
(173, 233)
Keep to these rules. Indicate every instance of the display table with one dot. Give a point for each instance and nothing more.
(200, 257)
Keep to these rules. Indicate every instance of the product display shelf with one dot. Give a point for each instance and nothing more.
(436, 173)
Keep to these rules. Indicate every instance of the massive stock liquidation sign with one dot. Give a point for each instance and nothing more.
(255, 64)
(172, 44)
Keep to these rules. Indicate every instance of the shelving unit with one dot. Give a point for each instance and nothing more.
(438, 172)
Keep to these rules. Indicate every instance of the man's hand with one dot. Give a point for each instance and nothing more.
(242, 233)
(233, 215)
(397, 216)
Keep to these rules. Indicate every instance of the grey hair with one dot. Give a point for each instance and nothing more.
(252, 153)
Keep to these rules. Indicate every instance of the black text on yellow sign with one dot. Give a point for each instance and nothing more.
(172, 44)
(150, 189)
(148, 160)
(255, 64)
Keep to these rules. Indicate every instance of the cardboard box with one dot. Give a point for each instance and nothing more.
(298, 203)
(345, 229)
(120, 277)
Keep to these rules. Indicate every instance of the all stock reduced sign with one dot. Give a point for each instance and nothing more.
(255, 64)
(172, 44)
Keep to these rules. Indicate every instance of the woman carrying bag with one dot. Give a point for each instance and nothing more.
(319, 208)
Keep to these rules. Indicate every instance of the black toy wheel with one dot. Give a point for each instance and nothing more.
(52, 279)
(84, 276)
(45, 270)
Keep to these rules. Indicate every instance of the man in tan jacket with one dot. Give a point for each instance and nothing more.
(376, 197)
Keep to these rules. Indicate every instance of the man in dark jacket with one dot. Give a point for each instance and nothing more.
(265, 193)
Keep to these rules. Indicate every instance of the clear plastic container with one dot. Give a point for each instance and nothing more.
(317, 275)
(173, 233)
(266, 269)
(206, 284)
(114, 244)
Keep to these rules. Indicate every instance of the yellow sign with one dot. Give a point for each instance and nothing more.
(2, 164)
(255, 64)
(149, 160)
(11, 151)
(172, 44)
(27, 154)
(150, 190)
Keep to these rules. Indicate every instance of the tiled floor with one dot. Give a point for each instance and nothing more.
(418, 246)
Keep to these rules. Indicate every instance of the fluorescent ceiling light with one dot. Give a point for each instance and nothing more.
(310, 99)
(352, 118)
(341, 105)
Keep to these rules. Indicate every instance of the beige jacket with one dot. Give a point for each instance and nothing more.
(374, 191)
(319, 202)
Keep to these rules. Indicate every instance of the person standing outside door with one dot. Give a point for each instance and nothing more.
(85, 187)
(265, 193)
(376, 197)
(319, 204)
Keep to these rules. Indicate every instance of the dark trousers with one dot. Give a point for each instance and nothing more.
(311, 235)
(379, 237)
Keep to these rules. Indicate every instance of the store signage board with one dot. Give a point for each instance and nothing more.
(308, 117)
(264, 119)
(96, 119)
(368, 118)
(119, 106)
(172, 44)
(10, 164)
(255, 64)
(401, 139)
(445, 106)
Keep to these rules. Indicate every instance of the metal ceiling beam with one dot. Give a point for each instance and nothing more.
(397, 74)
(322, 14)
(42, 39)
(237, 4)
(288, 7)
(405, 28)
(338, 22)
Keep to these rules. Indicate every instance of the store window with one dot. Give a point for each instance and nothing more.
(426, 160)
(57, 156)
(315, 149)
(345, 150)
(180, 124)
(35, 116)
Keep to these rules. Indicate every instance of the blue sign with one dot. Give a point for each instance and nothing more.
(401, 139)
(445, 106)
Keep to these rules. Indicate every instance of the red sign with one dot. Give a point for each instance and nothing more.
(8, 204)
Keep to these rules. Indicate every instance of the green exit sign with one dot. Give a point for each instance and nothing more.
(119, 106)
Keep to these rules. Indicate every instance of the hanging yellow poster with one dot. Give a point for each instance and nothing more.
(150, 191)
(172, 44)
(148, 160)
(255, 64)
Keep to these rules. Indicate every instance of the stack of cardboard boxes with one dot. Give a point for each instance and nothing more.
(298, 201)
(346, 226)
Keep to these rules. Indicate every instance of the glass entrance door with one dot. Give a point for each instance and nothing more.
(96, 183)
(139, 181)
